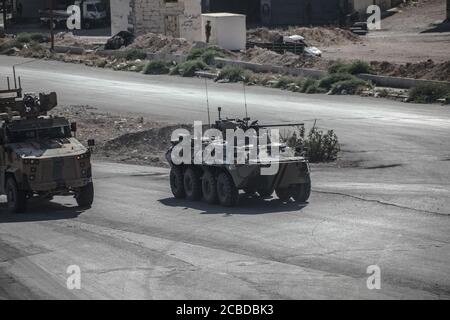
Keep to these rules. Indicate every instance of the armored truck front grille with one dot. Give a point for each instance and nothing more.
(57, 169)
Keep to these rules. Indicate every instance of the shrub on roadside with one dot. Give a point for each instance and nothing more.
(311, 86)
(7, 46)
(330, 80)
(233, 74)
(355, 67)
(188, 68)
(131, 54)
(322, 147)
(353, 86)
(156, 67)
(318, 146)
(29, 37)
(429, 92)
(206, 55)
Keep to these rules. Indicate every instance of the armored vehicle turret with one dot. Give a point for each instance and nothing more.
(39, 154)
(234, 155)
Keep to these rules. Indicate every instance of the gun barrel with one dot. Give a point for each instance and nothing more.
(281, 125)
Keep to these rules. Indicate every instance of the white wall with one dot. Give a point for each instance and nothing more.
(229, 31)
(191, 20)
(120, 11)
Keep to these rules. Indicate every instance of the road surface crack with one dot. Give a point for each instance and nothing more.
(384, 203)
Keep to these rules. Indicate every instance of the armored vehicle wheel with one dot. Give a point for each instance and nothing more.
(283, 193)
(209, 187)
(17, 199)
(249, 191)
(227, 192)
(265, 192)
(177, 182)
(192, 185)
(302, 192)
(85, 196)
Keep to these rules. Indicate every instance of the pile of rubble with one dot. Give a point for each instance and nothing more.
(264, 56)
(421, 70)
(157, 43)
(316, 36)
(68, 39)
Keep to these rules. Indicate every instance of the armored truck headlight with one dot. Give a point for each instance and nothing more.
(32, 177)
(34, 161)
(26, 161)
(83, 156)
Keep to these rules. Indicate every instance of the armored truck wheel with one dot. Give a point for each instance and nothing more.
(209, 187)
(227, 192)
(192, 185)
(177, 182)
(265, 192)
(85, 196)
(17, 199)
(283, 194)
(302, 192)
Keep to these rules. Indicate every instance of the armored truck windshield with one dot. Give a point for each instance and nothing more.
(45, 129)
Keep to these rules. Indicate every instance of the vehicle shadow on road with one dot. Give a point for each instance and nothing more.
(248, 205)
(40, 211)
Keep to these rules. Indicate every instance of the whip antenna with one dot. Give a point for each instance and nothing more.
(245, 101)
(207, 103)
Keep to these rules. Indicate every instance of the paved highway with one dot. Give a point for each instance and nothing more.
(387, 205)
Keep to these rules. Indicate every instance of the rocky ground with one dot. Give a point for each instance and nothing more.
(128, 138)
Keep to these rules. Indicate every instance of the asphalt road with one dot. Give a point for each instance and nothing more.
(388, 205)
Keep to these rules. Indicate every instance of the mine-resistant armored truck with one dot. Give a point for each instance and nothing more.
(39, 155)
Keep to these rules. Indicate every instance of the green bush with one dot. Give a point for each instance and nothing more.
(429, 92)
(322, 147)
(29, 37)
(131, 54)
(6, 46)
(311, 86)
(284, 82)
(358, 67)
(188, 68)
(353, 86)
(330, 80)
(156, 67)
(355, 67)
(337, 67)
(206, 55)
(232, 74)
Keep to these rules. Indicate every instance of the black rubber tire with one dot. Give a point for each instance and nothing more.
(209, 187)
(17, 199)
(249, 191)
(85, 197)
(177, 182)
(302, 192)
(284, 194)
(227, 192)
(265, 192)
(192, 185)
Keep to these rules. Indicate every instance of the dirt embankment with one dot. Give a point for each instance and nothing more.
(128, 138)
(316, 36)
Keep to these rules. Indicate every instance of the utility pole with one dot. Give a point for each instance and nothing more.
(52, 33)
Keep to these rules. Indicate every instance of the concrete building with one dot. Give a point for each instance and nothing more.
(295, 12)
(178, 18)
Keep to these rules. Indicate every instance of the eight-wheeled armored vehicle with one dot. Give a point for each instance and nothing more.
(221, 182)
(39, 155)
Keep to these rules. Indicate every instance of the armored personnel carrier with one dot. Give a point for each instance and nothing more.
(39, 155)
(219, 183)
